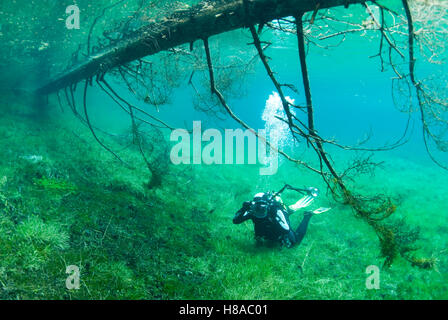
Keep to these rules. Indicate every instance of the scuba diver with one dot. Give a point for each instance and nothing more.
(271, 217)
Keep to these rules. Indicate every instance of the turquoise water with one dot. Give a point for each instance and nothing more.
(167, 232)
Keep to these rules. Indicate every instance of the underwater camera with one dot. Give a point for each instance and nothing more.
(260, 206)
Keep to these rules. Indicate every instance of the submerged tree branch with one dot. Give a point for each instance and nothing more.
(202, 21)
(223, 102)
(424, 100)
(91, 128)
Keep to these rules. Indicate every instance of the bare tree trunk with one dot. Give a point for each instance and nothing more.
(186, 26)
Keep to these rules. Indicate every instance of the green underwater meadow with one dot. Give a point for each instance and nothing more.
(167, 232)
(78, 206)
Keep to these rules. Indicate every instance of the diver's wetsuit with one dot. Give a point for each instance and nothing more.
(274, 224)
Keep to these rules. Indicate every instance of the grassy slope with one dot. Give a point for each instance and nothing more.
(79, 206)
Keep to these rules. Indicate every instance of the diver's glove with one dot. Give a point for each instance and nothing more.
(243, 214)
(246, 205)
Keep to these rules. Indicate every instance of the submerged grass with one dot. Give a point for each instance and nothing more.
(78, 206)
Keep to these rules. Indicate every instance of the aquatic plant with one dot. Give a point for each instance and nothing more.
(373, 210)
(424, 263)
(3, 199)
(55, 184)
(42, 234)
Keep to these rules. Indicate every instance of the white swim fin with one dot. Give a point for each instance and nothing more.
(302, 203)
(321, 210)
